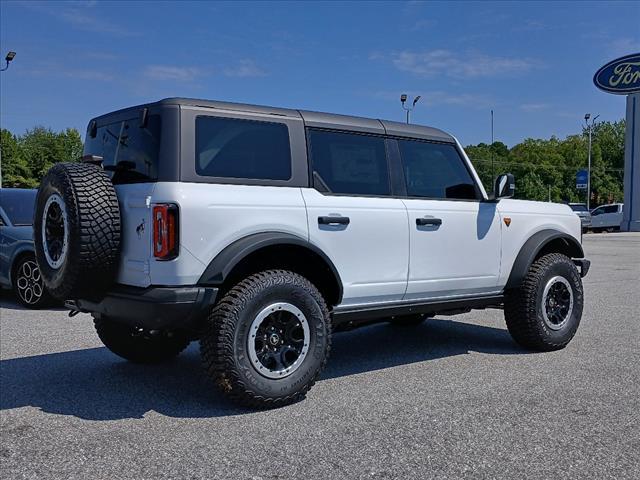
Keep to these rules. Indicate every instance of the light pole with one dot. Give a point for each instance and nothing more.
(10, 56)
(590, 128)
(493, 173)
(403, 99)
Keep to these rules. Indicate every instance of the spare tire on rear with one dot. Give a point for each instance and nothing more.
(76, 230)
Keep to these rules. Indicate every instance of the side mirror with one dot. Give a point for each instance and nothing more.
(505, 186)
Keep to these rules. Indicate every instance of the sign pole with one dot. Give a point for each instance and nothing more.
(589, 171)
(622, 77)
(631, 209)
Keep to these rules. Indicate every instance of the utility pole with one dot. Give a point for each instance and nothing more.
(493, 173)
(590, 128)
(10, 56)
(403, 99)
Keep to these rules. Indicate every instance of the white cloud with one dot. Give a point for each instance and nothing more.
(78, 14)
(245, 68)
(170, 72)
(624, 46)
(534, 107)
(457, 65)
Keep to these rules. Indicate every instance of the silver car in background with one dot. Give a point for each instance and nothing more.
(607, 217)
(582, 211)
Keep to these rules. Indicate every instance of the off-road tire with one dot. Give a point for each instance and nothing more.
(90, 264)
(139, 346)
(523, 305)
(224, 346)
(27, 283)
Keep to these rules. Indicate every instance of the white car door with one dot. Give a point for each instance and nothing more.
(353, 218)
(455, 239)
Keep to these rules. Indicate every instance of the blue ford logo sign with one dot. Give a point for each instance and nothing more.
(621, 76)
(582, 177)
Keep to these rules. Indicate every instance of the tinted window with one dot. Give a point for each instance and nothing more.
(435, 171)
(597, 211)
(18, 205)
(232, 148)
(349, 163)
(129, 152)
(611, 209)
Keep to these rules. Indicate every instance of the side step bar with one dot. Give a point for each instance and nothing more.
(350, 317)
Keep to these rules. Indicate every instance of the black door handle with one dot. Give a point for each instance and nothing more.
(333, 220)
(428, 221)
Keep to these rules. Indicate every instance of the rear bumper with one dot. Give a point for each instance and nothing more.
(583, 264)
(152, 307)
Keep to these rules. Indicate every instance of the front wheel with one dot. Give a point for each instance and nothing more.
(545, 311)
(268, 339)
(139, 345)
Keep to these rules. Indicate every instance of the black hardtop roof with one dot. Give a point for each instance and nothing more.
(315, 119)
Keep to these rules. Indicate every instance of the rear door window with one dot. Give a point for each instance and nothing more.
(348, 163)
(129, 152)
(238, 148)
(434, 170)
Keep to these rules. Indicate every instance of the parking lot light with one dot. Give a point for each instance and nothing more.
(10, 56)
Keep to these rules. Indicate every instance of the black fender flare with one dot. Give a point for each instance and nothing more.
(533, 246)
(222, 264)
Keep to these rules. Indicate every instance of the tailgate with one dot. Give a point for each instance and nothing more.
(135, 253)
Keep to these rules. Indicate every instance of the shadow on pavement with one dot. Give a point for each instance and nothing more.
(94, 384)
(8, 302)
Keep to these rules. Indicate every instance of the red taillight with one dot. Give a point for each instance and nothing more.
(165, 231)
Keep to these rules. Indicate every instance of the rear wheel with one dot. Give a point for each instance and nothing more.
(545, 311)
(28, 285)
(139, 345)
(267, 339)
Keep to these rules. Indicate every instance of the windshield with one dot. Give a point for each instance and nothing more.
(579, 208)
(18, 205)
(129, 153)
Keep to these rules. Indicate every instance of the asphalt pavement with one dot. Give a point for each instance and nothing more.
(452, 398)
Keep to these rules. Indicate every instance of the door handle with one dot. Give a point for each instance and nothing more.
(421, 222)
(333, 220)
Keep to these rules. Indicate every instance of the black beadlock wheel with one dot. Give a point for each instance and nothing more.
(139, 345)
(545, 311)
(77, 231)
(268, 339)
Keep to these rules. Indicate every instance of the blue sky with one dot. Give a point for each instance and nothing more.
(532, 63)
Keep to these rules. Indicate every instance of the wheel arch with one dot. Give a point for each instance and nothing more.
(274, 250)
(539, 244)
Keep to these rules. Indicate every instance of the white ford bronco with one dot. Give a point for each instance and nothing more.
(260, 231)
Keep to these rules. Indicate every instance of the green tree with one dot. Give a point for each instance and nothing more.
(25, 159)
(15, 168)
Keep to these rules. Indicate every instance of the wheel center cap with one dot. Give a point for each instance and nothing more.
(274, 339)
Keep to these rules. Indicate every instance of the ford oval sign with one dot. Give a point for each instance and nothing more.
(621, 76)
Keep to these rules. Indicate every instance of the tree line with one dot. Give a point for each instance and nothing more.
(544, 169)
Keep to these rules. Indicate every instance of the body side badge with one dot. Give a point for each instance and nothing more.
(140, 229)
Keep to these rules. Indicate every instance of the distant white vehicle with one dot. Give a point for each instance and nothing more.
(606, 217)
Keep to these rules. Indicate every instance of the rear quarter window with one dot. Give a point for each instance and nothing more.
(245, 149)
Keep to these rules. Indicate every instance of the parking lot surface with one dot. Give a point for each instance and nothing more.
(452, 398)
